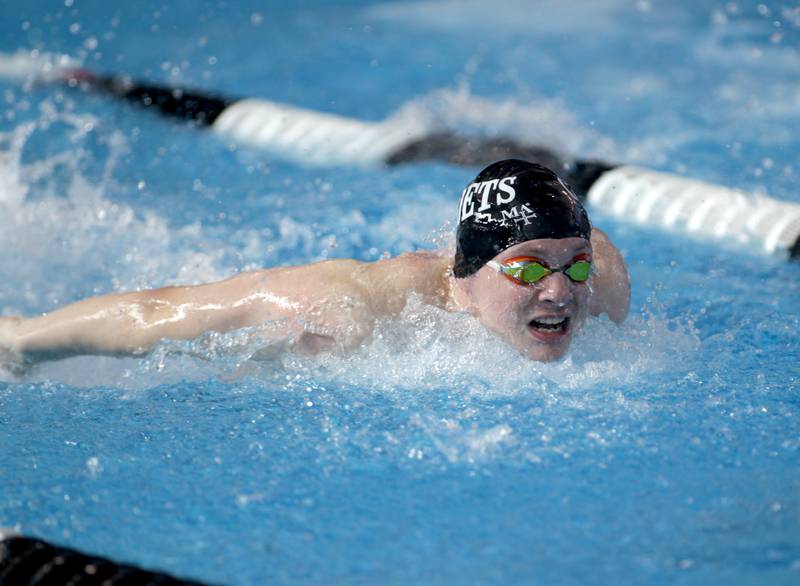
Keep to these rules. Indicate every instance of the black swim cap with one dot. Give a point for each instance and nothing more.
(509, 202)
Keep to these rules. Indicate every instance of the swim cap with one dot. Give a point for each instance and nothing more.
(509, 202)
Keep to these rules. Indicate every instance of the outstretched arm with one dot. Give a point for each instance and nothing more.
(611, 284)
(131, 323)
(326, 306)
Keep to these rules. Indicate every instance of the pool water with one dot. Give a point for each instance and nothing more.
(665, 451)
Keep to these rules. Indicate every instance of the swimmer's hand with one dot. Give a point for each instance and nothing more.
(11, 358)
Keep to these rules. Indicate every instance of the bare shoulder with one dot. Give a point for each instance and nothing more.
(600, 239)
(330, 301)
(612, 285)
(607, 257)
(420, 263)
(421, 273)
(409, 271)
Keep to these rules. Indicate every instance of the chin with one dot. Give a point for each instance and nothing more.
(545, 353)
(546, 345)
(541, 351)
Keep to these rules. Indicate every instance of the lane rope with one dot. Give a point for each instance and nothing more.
(686, 205)
(35, 562)
(629, 193)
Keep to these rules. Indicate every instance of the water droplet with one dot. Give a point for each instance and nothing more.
(93, 465)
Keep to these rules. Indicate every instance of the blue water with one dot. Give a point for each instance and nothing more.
(666, 451)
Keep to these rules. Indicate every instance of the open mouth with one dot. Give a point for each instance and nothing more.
(549, 326)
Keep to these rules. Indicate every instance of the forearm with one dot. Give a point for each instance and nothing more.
(124, 324)
(113, 324)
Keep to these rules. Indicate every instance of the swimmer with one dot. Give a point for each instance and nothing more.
(528, 265)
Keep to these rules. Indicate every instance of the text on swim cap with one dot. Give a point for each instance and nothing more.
(519, 213)
(492, 192)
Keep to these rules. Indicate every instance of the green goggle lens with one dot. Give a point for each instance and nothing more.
(533, 272)
(579, 271)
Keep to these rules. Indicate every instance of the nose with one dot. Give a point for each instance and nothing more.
(555, 288)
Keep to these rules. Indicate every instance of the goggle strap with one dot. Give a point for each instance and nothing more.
(495, 265)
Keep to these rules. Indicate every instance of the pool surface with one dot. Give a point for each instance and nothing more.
(665, 451)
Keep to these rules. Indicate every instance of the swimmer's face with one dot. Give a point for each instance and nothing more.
(538, 319)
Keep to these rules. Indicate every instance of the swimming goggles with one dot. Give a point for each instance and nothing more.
(529, 270)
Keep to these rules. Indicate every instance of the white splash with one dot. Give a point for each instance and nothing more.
(426, 348)
(534, 120)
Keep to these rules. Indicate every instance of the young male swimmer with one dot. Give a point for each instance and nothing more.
(528, 265)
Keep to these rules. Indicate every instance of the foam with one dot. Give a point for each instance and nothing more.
(62, 219)
(460, 441)
(57, 226)
(425, 349)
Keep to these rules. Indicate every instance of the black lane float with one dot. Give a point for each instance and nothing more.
(25, 561)
(629, 193)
